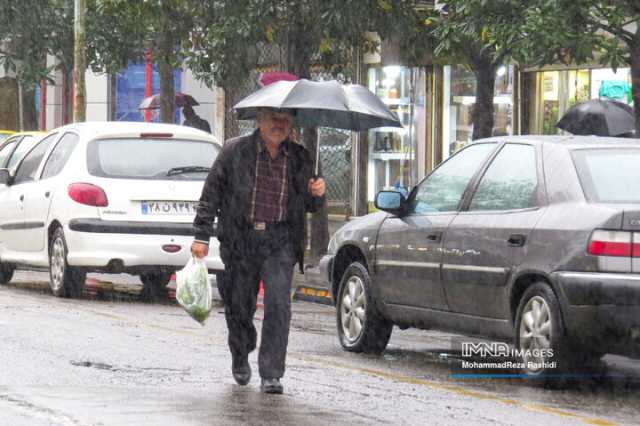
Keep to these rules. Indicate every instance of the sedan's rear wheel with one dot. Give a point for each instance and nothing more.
(64, 280)
(154, 286)
(540, 333)
(361, 328)
(6, 273)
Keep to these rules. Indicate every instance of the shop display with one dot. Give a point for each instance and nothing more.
(391, 150)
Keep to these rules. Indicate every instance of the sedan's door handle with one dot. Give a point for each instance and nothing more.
(46, 194)
(434, 236)
(22, 197)
(516, 240)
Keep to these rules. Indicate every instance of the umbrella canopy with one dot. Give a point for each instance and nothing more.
(598, 117)
(321, 104)
(181, 99)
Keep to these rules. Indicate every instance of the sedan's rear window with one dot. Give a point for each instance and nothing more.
(154, 159)
(609, 175)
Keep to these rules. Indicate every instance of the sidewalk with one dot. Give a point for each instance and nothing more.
(312, 285)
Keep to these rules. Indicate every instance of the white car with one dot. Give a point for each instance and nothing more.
(107, 197)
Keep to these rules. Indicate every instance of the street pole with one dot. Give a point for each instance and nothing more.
(79, 62)
(147, 80)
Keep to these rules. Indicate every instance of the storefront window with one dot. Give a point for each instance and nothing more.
(560, 90)
(130, 91)
(392, 151)
(459, 99)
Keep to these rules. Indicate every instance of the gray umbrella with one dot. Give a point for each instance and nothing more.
(321, 104)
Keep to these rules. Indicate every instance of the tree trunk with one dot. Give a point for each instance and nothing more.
(9, 104)
(299, 63)
(67, 101)
(29, 117)
(79, 61)
(167, 90)
(482, 114)
(635, 83)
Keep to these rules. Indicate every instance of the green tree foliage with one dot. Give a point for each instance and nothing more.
(230, 34)
(607, 31)
(30, 30)
(123, 30)
(482, 35)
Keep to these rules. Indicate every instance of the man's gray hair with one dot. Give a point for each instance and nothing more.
(260, 111)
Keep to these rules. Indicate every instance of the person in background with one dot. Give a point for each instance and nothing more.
(260, 187)
(193, 120)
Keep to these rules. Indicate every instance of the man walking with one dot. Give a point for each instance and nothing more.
(194, 120)
(259, 187)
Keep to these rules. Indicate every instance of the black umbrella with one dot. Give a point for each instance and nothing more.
(321, 104)
(598, 117)
(181, 99)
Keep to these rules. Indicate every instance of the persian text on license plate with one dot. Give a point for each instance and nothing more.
(169, 207)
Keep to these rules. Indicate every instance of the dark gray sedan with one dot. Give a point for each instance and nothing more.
(533, 240)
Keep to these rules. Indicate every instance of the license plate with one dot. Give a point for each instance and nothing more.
(169, 208)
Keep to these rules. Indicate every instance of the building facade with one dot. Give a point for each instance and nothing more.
(433, 102)
(116, 98)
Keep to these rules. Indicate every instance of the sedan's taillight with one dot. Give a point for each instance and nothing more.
(90, 195)
(635, 252)
(614, 243)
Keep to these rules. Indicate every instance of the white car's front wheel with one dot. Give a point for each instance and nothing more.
(64, 280)
(6, 273)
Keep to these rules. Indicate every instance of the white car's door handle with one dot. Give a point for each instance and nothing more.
(22, 198)
(46, 194)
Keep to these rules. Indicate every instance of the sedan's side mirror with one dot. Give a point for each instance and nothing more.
(5, 177)
(392, 202)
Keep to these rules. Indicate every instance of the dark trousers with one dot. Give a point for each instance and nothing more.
(268, 256)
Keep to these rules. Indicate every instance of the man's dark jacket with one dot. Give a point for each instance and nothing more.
(227, 191)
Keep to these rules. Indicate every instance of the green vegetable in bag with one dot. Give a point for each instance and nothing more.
(194, 290)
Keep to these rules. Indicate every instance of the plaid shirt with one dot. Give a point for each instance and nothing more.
(270, 189)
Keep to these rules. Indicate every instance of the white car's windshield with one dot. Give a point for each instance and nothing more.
(25, 146)
(157, 159)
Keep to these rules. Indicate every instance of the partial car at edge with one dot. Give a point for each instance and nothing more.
(532, 240)
(106, 197)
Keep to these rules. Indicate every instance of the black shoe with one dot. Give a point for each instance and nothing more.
(241, 370)
(271, 386)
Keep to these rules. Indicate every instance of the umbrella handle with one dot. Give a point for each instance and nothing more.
(317, 166)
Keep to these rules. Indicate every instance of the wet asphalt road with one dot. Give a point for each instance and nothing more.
(112, 360)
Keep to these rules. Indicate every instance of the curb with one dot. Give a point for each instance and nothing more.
(313, 294)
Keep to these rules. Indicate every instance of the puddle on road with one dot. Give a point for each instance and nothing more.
(98, 365)
(310, 330)
(127, 368)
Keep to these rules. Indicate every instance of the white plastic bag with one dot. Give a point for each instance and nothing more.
(193, 290)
